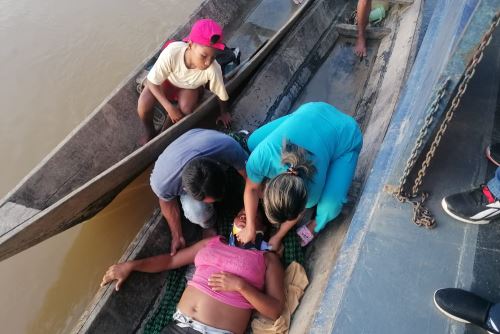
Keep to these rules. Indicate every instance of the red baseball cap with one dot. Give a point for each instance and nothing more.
(206, 32)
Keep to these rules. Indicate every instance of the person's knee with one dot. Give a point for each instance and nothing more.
(186, 107)
(200, 216)
(197, 212)
(188, 100)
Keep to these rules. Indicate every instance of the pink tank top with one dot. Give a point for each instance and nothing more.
(217, 256)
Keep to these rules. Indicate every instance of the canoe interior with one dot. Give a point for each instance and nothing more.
(314, 62)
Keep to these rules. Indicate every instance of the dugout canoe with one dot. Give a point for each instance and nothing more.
(101, 156)
(315, 61)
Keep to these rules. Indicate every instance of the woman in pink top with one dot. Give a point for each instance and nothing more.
(229, 282)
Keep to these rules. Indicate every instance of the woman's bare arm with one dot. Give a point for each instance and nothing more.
(269, 303)
(277, 238)
(251, 200)
(120, 272)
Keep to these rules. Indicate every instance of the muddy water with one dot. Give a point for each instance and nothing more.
(59, 59)
(45, 288)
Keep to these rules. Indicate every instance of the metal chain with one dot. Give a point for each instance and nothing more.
(421, 215)
(412, 160)
(469, 73)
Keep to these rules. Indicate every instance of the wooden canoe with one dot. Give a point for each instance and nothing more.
(100, 157)
(314, 62)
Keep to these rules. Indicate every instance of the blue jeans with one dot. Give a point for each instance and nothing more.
(198, 212)
(494, 184)
(493, 319)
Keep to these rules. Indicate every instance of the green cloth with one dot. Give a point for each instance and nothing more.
(174, 287)
(292, 250)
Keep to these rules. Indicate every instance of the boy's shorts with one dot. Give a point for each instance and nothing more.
(170, 91)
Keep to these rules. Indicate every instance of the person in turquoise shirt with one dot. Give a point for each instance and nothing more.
(299, 161)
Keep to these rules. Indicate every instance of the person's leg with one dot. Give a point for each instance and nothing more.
(145, 106)
(493, 320)
(261, 133)
(198, 212)
(188, 99)
(493, 153)
(338, 181)
(494, 184)
(477, 206)
(465, 306)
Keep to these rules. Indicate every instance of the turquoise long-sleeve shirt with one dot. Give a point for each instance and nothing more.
(333, 140)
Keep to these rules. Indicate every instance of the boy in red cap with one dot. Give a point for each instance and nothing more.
(181, 72)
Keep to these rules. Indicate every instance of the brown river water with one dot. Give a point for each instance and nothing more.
(59, 60)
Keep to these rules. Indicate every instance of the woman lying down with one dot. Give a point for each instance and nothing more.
(229, 282)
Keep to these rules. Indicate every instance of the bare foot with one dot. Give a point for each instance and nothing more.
(168, 123)
(145, 139)
(150, 135)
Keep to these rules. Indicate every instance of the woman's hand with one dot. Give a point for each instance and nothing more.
(226, 282)
(246, 235)
(118, 272)
(275, 242)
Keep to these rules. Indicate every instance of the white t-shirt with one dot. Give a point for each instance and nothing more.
(170, 66)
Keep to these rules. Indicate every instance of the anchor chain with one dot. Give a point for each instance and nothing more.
(421, 214)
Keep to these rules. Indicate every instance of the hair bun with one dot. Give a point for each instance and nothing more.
(292, 170)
